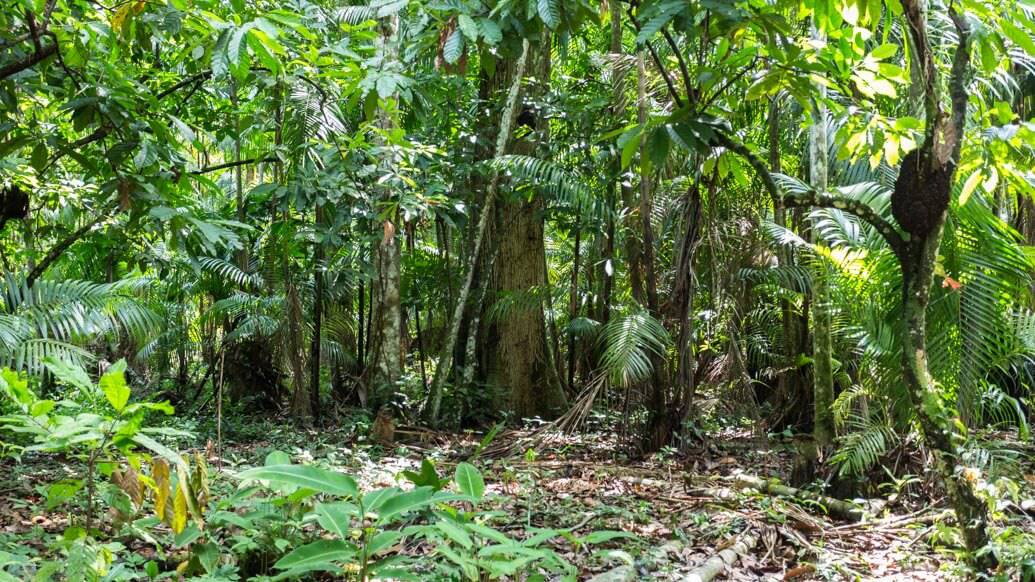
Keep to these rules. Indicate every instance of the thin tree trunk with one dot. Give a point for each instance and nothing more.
(662, 421)
(822, 340)
(573, 302)
(386, 342)
(314, 349)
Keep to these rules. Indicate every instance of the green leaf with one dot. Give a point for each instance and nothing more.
(602, 536)
(549, 11)
(113, 383)
(884, 51)
(41, 407)
(468, 27)
(661, 15)
(188, 535)
(16, 387)
(657, 147)
(427, 477)
(455, 533)
(69, 373)
(208, 556)
(629, 142)
(60, 492)
(319, 480)
(469, 480)
(453, 48)
(382, 541)
(1018, 36)
(490, 31)
(336, 518)
(39, 156)
(277, 458)
(319, 554)
(404, 502)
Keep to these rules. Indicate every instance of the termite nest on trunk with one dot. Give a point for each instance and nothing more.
(14, 205)
(921, 193)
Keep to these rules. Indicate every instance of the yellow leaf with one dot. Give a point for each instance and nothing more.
(160, 473)
(118, 20)
(179, 520)
(199, 482)
(969, 186)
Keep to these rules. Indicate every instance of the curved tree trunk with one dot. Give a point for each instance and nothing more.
(938, 424)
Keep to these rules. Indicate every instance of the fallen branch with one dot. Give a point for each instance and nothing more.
(843, 509)
(718, 563)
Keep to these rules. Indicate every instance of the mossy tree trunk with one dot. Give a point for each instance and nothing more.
(822, 320)
(920, 204)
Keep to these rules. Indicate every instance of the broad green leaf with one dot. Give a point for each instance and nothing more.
(469, 480)
(382, 541)
(113, 383)
(336, 518)
(455, 533)
(315, 478)
(60, 492)
(16, 387)
(490, 31)
(468, 27)
(549, 12)
(277, 458)
(404, 502)
(317, 554)
(1018, 36)
(884, 51)
(602, 536)
(453, 47)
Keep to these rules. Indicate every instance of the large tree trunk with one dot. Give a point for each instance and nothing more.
(386, 335)
(472, 278)
(517, 358)
(517, 355)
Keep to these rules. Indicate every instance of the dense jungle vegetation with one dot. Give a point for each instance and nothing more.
(517, 289)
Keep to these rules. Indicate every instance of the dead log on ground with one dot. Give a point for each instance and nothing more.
(718, 563)
(836, 507)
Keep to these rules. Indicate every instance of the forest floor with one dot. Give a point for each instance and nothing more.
(682, 509)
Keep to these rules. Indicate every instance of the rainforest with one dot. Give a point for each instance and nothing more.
(529, 290)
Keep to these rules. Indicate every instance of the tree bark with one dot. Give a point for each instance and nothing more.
(386, 340)
(822, 340)
(314, 347)
(517, 354)
(433, 405)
